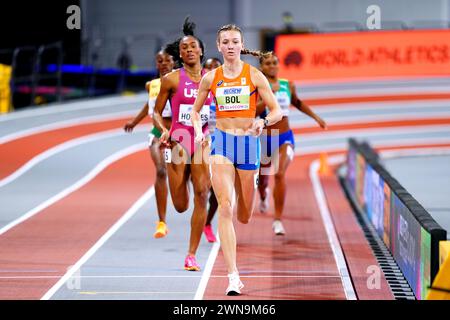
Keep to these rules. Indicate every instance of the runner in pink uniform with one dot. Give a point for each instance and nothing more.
(184, 159)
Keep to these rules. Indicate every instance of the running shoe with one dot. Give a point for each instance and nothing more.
(209, 233)
(234, 285)
(190, 264)
(278, 228)
(264, 204)
(161, 230)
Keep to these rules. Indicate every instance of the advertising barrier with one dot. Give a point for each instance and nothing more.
(363, 54)
(406, 228)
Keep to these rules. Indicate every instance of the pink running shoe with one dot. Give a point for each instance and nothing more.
(190, 264)
(207, 230)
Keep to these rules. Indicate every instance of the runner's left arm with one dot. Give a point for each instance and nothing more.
(267, 96)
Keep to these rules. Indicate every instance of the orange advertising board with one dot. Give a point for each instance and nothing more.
(367, 54)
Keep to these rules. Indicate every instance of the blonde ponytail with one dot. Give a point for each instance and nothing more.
(257, 53)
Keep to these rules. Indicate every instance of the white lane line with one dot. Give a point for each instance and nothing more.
(65, 146)
(341, 146)
(388, 105)
(375, 132)
(326, 216)
(86, 104)
(133, 292)
(133, 209)
(65, 124)
(28, 271)
(331, 232)
(155, 277)
(359, 118)
(423, 152)
(77, 185)
(350, 294)
(371, 83)
(295, 119)
(208, 269)
(364, 92)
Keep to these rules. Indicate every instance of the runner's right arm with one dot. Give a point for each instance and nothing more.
(203, 92)
(129, 126)
(161, 100)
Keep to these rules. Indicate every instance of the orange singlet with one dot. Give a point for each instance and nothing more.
(235, 98)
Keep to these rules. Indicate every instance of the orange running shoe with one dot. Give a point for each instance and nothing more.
(161, 230)
(190, 264)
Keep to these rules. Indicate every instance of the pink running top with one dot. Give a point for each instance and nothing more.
(181, 102)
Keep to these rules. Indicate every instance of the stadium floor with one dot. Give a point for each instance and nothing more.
(78, 211)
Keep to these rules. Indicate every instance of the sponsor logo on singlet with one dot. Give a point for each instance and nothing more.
(283, 86)
(190, 93)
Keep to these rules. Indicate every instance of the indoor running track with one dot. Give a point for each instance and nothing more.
(77, 208)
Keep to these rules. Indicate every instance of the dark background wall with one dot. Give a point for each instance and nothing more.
(38, 22)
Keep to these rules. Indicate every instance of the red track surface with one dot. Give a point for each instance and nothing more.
(358, 253)
(374, 125)
(56, 238)
(17, 152)
(299, 265)
(380, 98)
(303, 255)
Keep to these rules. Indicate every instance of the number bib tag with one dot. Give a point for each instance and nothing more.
(233, 98)
(284, 101)
(184, 115)
(168, 155)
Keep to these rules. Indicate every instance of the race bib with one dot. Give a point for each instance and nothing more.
(167, 112)
(184, 116)
(233, 98)
(284, 101)
(168, 155)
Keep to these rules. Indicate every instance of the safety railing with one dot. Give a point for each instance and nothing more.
(40, 74)
(406, 228)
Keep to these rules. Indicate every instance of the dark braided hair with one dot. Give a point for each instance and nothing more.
(270, 54)
(256, 53)
(173, 48)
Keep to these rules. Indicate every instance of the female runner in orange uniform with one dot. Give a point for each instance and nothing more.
(235, 145)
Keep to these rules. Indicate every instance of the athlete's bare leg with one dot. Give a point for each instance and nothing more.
(212, 207)
(245, 184)
(161, 179)
(178, 172)
(279, 191)
(201, 182)
(263, 183)
(223, 174)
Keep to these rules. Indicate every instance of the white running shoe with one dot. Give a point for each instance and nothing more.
(264, 204)
(235, 285)
(278, 228)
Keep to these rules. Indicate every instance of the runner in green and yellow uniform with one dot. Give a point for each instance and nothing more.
(164, 64)
(277, 141)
